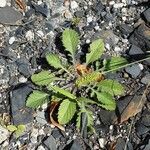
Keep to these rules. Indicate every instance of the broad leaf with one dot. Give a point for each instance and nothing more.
(20, 130)
(66, 111)
(11, 128)
(54, 60)
(70, 39)
(111, 86)
(62, 91)
(107, 100)
(114, 63)
(43, 78)
(36, 99)
(89, 78)
(96, 51)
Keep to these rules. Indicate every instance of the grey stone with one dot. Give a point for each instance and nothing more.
(135, 50)
(126, 29)
(133, 70)
(146, 15)
(4, 134)
(20, 113)
(40, 117)
(146, 79)
(9, 15)
(50, 143)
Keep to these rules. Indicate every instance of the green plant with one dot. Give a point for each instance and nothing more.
(75, 86)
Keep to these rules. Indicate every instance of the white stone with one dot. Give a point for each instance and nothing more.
(4, 134)
(96, 28)
(40, 33)
(118, 5)
(12, 40)
(3, 3)
(22, 79)
(88, 41)
(124, 18)
(90, 3)
(117, 49)
(111, 3)
(89, 19)
(107, 46)
(141, 66)
(102, 142)
(39, 2)
(29, 35)
(40, 148)
(74, 5)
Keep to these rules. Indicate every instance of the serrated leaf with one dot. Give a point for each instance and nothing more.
(115, 62)
(90, 120)
(96, 51)
(43, 78)
(36, 99)
(107, 100)
(111, 86)
(66, 111)
(20, 130)
(54, 60)
(11, 128)
(70, 39)
(89, 78)
(62, 91)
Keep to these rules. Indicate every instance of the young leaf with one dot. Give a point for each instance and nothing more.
(54, 60)
(62, 91)
(37, 98)
(66, 111)
(114, 63)
(107, 100)
(89, 78)
(11, 128)
(20, 130)
(111, 86)
(96, 50)
(43, 78)
(70, 39)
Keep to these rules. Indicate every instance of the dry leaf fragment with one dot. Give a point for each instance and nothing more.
(82, 69)
(53, 105)
(21, 4)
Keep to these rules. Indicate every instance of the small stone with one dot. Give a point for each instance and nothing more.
(102, 142)
(117, 49)
(111, 3)
(74, 5)
(146, 79)
(22, 79)
(89, 19)
(4, 134)
(29, 35)
(40, 117)
(118, 5)
(50, 143)
(40, 33)
(135, 51)
(12, 40)
(40, 148)
(3, 3)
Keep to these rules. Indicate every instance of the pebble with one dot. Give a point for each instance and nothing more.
(146, 14)
(40, 33)
(40, 148)
(12, 40)
(118, 5)
(117, 49)
(3, 3)
(102, 142)
(74, 5)
(89, 19)
(29, 35)
(22, 79)
(4, 134)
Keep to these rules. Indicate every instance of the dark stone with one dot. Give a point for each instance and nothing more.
(23, 67)
(133, 70)
(30, 12)
(141, 37)
(50, 143)
(126, 29)
(9, 15)
(141, 129)
(20, 113)
(121, 145)
(146, 15)
(56, 134)
(41, 9)
(135, 51)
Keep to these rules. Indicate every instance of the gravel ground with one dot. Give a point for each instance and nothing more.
(30, 28)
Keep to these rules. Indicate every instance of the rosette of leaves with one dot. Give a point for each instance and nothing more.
(78, 86)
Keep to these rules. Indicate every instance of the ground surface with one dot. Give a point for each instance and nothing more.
(30, 28)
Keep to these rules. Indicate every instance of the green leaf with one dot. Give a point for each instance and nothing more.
(62, 91)
(54, 60)
(107, 100)
(43, 78)
(66, 111)
(96, 51)
(36, 99)
(115, 62)
(70, 39)
(111, 86)
(88, 78)
(20, 130)
(11, 128)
